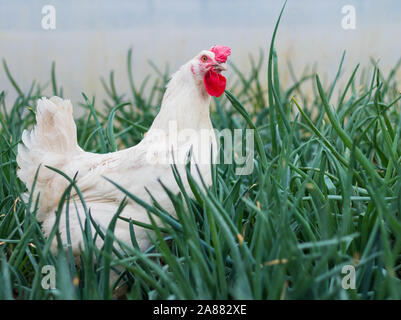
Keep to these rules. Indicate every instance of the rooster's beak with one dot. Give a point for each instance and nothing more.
(220, 67)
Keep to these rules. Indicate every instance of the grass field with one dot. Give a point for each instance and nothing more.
(324, 194)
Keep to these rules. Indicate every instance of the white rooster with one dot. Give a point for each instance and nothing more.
(53, 142)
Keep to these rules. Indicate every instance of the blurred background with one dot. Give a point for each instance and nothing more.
(93, 37)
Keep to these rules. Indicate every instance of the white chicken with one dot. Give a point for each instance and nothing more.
(53, 142)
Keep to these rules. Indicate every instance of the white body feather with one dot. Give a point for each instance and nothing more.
(53, 142)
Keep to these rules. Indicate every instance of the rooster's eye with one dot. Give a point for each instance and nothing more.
(204, 58)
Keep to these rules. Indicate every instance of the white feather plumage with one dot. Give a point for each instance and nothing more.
(53, 142)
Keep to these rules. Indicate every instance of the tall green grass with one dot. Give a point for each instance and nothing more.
(324, 193)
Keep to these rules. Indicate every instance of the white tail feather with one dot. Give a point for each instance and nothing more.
(51, 142)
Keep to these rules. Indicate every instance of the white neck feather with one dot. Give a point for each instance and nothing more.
(185, 101)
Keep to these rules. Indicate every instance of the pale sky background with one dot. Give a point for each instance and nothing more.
(93, 37)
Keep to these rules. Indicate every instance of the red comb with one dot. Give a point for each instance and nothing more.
(221, 53)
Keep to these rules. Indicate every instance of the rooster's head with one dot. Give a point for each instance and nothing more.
(208, 65)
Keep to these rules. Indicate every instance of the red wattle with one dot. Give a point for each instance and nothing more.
(215, 83)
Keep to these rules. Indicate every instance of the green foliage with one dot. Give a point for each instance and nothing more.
(325, 192)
